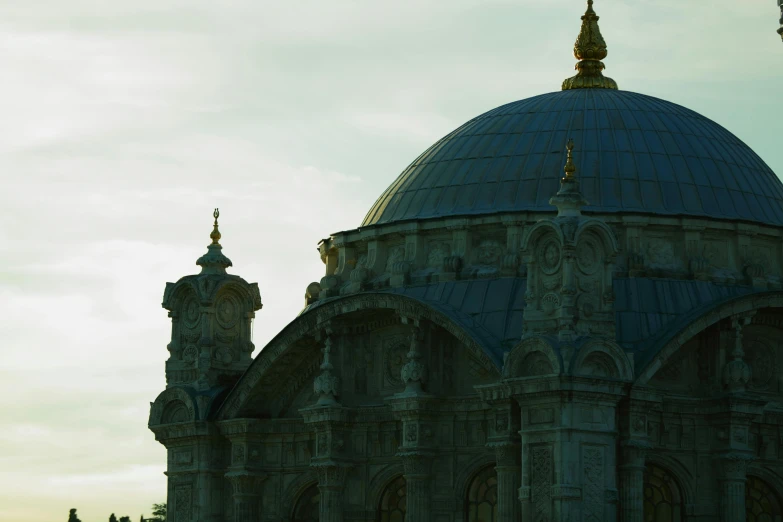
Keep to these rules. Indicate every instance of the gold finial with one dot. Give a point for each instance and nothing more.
(589, 49)
(215, 235)
(569, 166)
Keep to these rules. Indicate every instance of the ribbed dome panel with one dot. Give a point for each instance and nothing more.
(633, 153)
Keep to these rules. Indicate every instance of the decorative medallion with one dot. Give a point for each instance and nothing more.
(190, 353)
(489, 252)
(587, 257)
(395, 357)
(438, 251)
(227, 311)
(190, 312)
(549, 256)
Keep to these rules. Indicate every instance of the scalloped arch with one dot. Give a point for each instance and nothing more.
(619, 358)
(538, 230)
(168, 397)
(529, 347)
(674, 342)
(604, 232)
(310, 321)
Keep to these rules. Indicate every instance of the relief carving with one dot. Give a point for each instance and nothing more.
(489, 252)
(549, 256)
(438, 252)
(660, 252)
(541, 483)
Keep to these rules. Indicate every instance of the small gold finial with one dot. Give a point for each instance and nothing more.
(569, 166)
(589, 49)
(215, 235)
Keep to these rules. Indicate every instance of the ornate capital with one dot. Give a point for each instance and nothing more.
(734, 466)
(506, 453)
(330, 474)
(415, 463)
(246, 483)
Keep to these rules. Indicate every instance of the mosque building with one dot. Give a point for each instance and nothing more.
(570, 308)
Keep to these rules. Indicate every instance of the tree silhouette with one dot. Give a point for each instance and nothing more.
(72, 516)
(159, 512)
(112, 518)
(125, 519)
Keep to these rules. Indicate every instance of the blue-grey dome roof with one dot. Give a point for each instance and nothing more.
(633, 153)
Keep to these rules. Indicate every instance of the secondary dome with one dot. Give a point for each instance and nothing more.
(634, 153)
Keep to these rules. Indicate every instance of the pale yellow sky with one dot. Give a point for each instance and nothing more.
(124, 124)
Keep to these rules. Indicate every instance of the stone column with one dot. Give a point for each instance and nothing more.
(418, 488)
(509, 477)
(632, 481)
(247, 495)
(732, 477)
(331, 483)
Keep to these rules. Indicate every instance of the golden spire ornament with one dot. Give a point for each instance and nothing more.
(214, 262)
(569, 168)
(215, 235)
(589, 49)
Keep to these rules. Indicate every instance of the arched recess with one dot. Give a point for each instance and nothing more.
(602, 358)
(307, 505)
(531, 357)
(679, 472)
(662, 494)
(173, 405)
(762, 502)
(379, 482)
(391, 507)
(286, 350)
(664, 351)
(294, 491)
(467, 472)
(481, 502)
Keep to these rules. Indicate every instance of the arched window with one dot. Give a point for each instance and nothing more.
(483, 496)
(662, 497)
(761, 502)
(306, 509)
(392, 508)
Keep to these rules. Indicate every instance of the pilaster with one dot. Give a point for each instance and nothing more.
(247, 489)
(568, 441)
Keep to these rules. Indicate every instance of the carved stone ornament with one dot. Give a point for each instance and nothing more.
(549, 256)
(227, 311)
(489, 252)
(395, 356)
(588, 256)
(191, 312)
(326, 385)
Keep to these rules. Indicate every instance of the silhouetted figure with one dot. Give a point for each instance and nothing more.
(72, 516)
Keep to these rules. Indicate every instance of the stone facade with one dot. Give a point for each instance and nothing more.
(504, 365)
(373, 404)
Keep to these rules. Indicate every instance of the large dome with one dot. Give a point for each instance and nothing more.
(634, 154)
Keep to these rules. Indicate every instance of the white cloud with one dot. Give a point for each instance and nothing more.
(124, 124)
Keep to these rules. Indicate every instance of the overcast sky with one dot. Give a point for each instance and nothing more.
(123, 124)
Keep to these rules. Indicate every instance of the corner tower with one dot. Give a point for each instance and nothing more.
(211, 317)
